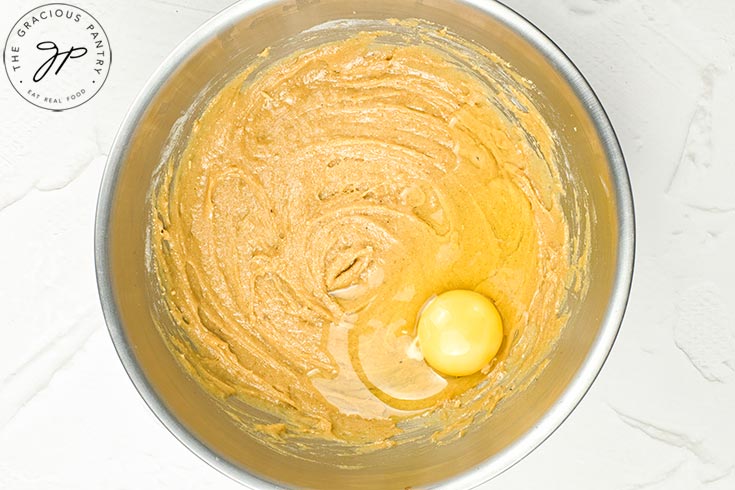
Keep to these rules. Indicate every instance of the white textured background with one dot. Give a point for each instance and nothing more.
(660, 416)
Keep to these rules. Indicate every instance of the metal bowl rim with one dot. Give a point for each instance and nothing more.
(580, 383)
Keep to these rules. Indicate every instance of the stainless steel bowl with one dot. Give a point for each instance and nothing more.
(207, 59)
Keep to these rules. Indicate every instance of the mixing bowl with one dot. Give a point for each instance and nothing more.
(178, 92)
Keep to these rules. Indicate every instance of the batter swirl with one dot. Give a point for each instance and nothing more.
(318, 204)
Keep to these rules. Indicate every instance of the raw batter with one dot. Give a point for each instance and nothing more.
(321, 201)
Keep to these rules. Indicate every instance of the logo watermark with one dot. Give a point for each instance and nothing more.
(57, 56)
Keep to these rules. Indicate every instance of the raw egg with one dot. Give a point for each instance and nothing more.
(459, 332)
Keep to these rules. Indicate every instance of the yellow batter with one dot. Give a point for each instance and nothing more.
(322, 200)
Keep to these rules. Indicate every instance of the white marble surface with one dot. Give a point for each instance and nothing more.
(661, 414)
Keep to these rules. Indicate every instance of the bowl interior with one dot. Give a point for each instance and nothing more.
(181, 89)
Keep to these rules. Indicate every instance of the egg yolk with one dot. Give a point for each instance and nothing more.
(459, 332)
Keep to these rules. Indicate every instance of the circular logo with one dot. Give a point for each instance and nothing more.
(57, 56)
